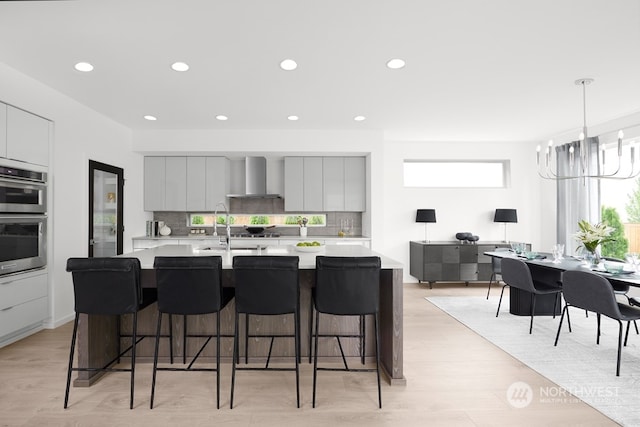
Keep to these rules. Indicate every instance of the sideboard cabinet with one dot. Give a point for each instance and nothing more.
(451, 261)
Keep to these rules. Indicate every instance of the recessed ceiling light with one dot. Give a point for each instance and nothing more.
(150, 118)
(292, 118)
(179, 66)
(221, 117)
(395, 63)
(359, 118)
(288, 65)
(84, 67)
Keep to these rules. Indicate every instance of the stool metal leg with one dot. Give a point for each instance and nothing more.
(233, 366)
(133, 356)
(71, 353)
(155, 358)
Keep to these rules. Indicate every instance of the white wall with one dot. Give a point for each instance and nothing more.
(79, 134)
(462, 209)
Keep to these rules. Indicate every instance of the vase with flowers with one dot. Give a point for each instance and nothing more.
(591, 236)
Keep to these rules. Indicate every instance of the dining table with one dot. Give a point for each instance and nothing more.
(547, 270)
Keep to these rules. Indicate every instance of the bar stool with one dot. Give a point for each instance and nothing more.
(190, 286)
(106, 286)
(266, 286)
(346, 286)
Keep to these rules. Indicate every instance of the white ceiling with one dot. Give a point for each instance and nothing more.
(476, 70)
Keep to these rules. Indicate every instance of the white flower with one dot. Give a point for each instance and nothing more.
(593, 235)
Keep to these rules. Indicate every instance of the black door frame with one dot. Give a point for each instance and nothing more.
(119, 172)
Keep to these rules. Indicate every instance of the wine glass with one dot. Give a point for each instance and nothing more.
(632, 259)
(558, 252)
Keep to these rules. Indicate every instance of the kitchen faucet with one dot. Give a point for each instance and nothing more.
(227, 222)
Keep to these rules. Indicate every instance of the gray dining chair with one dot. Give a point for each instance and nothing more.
(496, 269)
(592, 292)
(516, 274)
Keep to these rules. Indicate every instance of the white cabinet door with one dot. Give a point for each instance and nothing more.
(354, 184)
(217, 180)
(3, 130)
(176, 184)
(27, 137)
(333, 183)
(293, 184)
(313, 184)
(154, 186)
(196, 183)
(23, 304)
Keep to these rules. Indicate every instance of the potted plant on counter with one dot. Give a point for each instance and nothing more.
(302, 222)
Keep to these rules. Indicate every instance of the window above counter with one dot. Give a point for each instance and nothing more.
(239, 219)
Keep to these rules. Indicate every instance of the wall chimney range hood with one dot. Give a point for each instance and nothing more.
(255, 173)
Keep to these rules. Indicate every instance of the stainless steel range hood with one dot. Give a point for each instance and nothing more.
(255, 172)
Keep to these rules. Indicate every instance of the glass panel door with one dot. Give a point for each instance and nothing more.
(106, 184)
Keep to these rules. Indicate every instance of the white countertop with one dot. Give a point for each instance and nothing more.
(307, 260)
(210, 237)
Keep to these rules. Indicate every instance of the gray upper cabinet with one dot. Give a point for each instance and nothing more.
(3, 130)
(207, 182)
(154, 186)
(27, 136)
(354, 184)
(196, 183)
(176, 184)
(324, 184)
(312, 181)
(333, 183)
(218, 182)
(293, 184)
(185, 183)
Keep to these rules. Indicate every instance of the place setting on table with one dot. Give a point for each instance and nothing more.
(557, 258)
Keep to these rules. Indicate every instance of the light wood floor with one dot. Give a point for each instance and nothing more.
(454, 378)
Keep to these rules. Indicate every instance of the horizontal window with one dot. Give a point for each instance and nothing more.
(290, 220)
(456, 173)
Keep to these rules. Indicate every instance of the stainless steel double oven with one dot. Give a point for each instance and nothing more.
(23, 220)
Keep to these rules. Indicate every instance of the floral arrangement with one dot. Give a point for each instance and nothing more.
(593, 235)
(302, 221)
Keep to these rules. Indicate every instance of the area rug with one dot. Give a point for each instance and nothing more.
(577, 365)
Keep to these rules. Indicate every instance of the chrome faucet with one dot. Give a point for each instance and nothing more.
(227, 222)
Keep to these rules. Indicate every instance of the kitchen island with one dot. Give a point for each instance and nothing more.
(99, 332)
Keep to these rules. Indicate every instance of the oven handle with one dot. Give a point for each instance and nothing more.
(7, 266)
(23, 181)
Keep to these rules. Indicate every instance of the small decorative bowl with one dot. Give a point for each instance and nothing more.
(613, 267)
(530, 254)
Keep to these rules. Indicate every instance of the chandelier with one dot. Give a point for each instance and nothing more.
(582, 166)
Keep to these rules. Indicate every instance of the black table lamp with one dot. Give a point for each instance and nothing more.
(505, 215)
(426, 216)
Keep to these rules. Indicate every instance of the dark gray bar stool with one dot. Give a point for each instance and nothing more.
(347, 286)
(107, 286)
(190, 286)
(267, 286)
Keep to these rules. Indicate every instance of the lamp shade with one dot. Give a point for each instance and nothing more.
(426, 215)
(505, 215)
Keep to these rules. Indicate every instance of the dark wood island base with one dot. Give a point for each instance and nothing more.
(97, 335)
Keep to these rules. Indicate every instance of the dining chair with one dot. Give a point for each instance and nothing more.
(496, 268)
(516, 274)
(592, 292)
